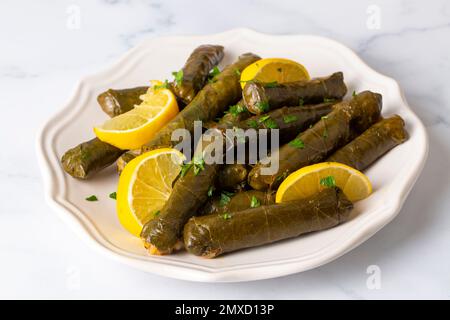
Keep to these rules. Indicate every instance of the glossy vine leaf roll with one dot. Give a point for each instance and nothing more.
(237, 202)
(115, 102)
(372, 144)
(346, 121)
(210, 102)
(161, 235)
(212, 235)
(89, 157)
(196, 71)
(262, 97)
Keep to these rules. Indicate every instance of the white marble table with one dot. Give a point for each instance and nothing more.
(46, 49)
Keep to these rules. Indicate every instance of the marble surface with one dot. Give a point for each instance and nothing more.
(47, 47)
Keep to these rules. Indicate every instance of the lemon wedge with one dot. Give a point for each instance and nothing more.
(145, 185)
(136, 127)
(312, 179)
(274, 70)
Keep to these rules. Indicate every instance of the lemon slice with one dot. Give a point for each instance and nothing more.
(145, 185)
(312, 179)
(274, 70)
(136, 127)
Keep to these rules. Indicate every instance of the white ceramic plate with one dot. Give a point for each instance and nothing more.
(393, 176)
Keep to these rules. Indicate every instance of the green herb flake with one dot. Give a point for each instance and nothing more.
(165, 85)
(199, 165)
(254, 203)
(92, 198)
(328, 100)
(211, 191)
(328, 181)
(271, 124)
(297, 143)
(156, 213)
(263, 106)
(354, 93)
(178, 75)
(185, 168)
(226, 216)
(301, 102)
(214, 72)
(272, 84)
(225, 198)
(289, 118)
(113, 195)
(237, 72)
(263, 118)
(237, 109)
(252, 124)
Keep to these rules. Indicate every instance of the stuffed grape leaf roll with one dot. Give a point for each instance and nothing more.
(115, 102)
(243, 200)
(348, 119)
(212, 235)
(210, 102)
(196, 70)
(89, 157)
(262, 97)
(372, 143)
(161, 235)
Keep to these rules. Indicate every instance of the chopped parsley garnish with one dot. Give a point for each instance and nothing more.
(327, 100)
(255, 203)
(156, 213)
(226, 216)
(238, 73)
(185, 168)
(272, 84)
(165, 85)
(252, 123)
(237, 109)
(271, 124)
(354, 93)
(263, 106)
(214, 72)
(289, 118)
(210, 191)
(197, 163)
(212, 75)
(263, 118)
(92, 198)
(178, 76)
(297, 143)
(225, 198)
(301, 102)
(113, 195)
(328, 182)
